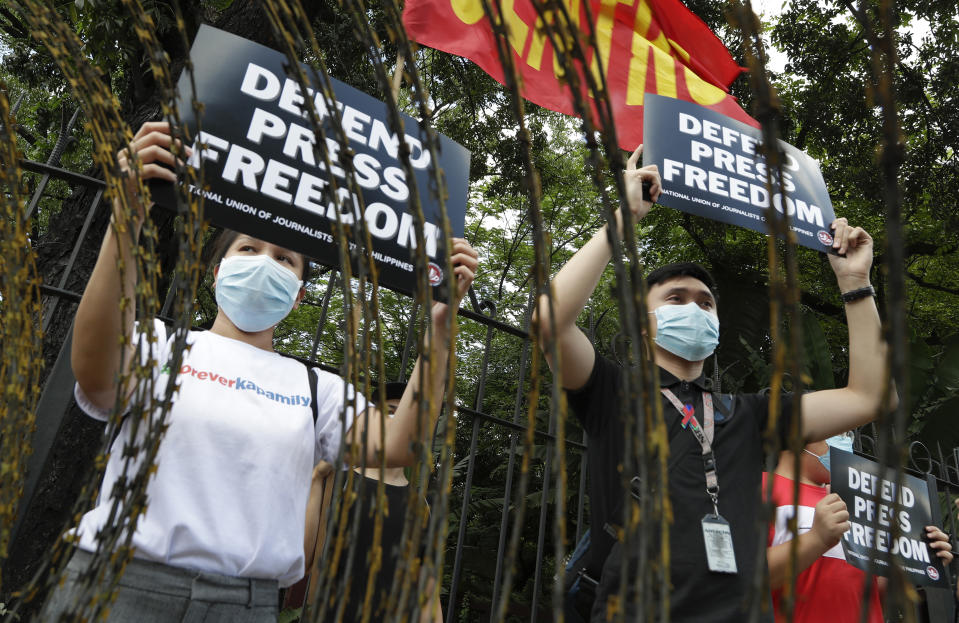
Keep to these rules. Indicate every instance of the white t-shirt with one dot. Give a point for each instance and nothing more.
(233, 470)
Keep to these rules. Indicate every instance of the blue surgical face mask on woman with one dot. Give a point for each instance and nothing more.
(255, 291)
(687, 331)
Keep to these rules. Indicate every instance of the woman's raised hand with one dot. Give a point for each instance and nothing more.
(152, 147)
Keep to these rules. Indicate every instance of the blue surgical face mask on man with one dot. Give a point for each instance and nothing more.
(687, 331)
(842, 442)
(255, 291)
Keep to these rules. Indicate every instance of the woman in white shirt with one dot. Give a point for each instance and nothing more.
(223, 527)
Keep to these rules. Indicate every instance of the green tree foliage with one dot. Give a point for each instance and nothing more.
(828, 102)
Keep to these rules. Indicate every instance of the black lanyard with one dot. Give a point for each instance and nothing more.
(704, 435)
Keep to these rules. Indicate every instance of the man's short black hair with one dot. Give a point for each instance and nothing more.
(682, 269)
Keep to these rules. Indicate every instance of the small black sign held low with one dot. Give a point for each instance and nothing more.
(710, 167)
(263, 177)
(882, 531)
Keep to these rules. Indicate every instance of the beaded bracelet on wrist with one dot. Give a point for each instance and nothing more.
(861, 293)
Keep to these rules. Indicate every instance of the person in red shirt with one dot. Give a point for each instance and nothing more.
(827, 587)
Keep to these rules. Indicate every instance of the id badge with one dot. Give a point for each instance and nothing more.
(719, 544)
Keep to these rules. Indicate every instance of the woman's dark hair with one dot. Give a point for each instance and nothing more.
(682, 269)
(226, 237)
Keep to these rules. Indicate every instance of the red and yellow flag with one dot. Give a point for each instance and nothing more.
(656, 46)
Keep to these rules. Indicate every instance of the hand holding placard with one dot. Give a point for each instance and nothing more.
(830, 521)
(939, 542)
(854, 259)
(635, 179)
(465, 260)
(152, 147)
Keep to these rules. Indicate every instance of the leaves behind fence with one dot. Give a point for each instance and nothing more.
(524, 187)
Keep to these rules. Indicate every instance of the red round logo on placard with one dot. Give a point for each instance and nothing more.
(932, 573)
(825, 237)
(436, 274)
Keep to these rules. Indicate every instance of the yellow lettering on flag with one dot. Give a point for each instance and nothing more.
(659, 52)
(643, 25)
(535, 57)
(468, 11)
(702, 92)
(664, 68)
(565, 43)
(683, 54)
(605, 22)
(516, 27)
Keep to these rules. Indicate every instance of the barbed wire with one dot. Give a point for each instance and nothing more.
(21, 339)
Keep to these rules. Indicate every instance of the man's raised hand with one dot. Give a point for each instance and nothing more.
(855, 243)
(634, 179)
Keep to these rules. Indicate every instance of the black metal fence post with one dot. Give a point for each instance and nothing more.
(508, 486)
(478, 406)
(54, 159)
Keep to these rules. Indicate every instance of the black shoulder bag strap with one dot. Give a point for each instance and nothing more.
(723, 403)
(311, 373)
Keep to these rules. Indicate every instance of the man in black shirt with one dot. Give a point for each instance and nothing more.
(710, 437)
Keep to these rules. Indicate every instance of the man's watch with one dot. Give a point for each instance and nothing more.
(861, 293)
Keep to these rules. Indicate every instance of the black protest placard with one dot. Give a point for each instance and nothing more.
(871, 500)
(263, 175)
(710, 167)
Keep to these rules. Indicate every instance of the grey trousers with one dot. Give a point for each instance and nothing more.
(151, 592)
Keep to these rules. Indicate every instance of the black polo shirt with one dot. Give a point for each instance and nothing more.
(697, 594)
